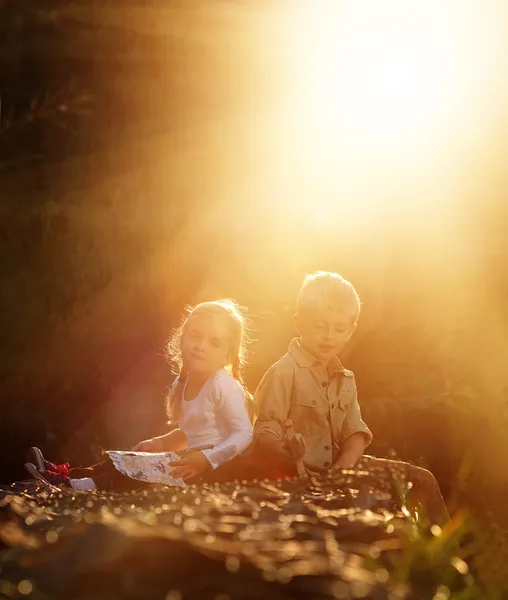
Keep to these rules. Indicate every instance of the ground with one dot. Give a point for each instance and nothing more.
(281, 539)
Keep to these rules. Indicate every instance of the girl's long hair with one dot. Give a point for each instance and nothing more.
(237, 351)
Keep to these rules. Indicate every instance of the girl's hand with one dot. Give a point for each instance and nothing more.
(153, 445)
(190, 466)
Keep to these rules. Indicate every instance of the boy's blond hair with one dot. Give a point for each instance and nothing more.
(325, 290)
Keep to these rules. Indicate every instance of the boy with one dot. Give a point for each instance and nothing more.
(311, 387)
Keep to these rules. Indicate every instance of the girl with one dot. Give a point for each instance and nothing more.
(207, 401)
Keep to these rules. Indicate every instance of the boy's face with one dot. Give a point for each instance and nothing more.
(324, 333)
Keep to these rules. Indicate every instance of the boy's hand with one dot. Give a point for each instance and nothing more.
(273, 449)
(152, 445)
(351, 452)
(190, 466)
(296, 447)
(345, 462)
(282, 451)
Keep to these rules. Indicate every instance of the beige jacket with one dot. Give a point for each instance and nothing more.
(321, 401)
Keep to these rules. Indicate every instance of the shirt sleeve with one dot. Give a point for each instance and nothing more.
(354, 422)
(273, 399)
(230, 403)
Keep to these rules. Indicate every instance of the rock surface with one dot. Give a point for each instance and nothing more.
(335, 536)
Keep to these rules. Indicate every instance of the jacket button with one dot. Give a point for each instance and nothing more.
(327, 464)
(325, 383)
(314, 402)
(332, 406)
(327, 447)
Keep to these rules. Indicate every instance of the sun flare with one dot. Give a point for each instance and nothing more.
(384, 93)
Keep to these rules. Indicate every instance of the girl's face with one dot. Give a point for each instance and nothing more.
(205, 344)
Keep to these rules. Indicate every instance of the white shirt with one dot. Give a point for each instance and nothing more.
(217, 415)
